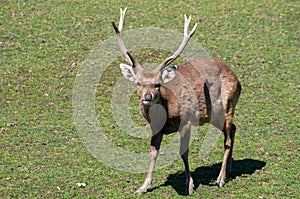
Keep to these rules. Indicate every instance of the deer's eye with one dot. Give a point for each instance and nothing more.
(138, 84)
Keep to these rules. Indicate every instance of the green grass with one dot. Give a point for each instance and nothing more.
(42, 46)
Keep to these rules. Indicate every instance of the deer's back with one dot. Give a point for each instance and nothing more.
(198, 86)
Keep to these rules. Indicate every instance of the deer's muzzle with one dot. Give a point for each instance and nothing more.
(148, 97)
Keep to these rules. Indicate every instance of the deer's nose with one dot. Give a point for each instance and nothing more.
(148, 97)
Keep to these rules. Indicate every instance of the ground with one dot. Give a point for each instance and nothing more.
(42, 47)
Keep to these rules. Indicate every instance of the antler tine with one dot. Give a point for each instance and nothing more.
(119, 32)
(185, 40)
(122, 18)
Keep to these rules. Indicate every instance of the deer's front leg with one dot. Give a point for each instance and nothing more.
(154, 151)
(184, 150)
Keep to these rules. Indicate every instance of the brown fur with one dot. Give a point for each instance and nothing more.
(175, 95)
(201, 91)
(189, 99)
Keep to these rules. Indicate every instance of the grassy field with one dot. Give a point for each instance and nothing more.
(42, 46)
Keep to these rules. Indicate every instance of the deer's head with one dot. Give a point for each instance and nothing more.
(149, 82)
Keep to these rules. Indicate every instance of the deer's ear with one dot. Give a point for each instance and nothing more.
(168, 74)
(128, 72)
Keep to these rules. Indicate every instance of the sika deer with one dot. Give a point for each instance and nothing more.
(196, 92)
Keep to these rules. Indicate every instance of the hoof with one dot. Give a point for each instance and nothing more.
(221, 183)
(145, 187)
(140, 191)
(189, 192)
(190, 188)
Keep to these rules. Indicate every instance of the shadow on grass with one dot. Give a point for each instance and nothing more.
(207, 175)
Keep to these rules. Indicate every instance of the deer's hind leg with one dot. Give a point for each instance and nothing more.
(229, 133)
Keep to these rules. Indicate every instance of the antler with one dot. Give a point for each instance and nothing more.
(186, 38)
(119, 33)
